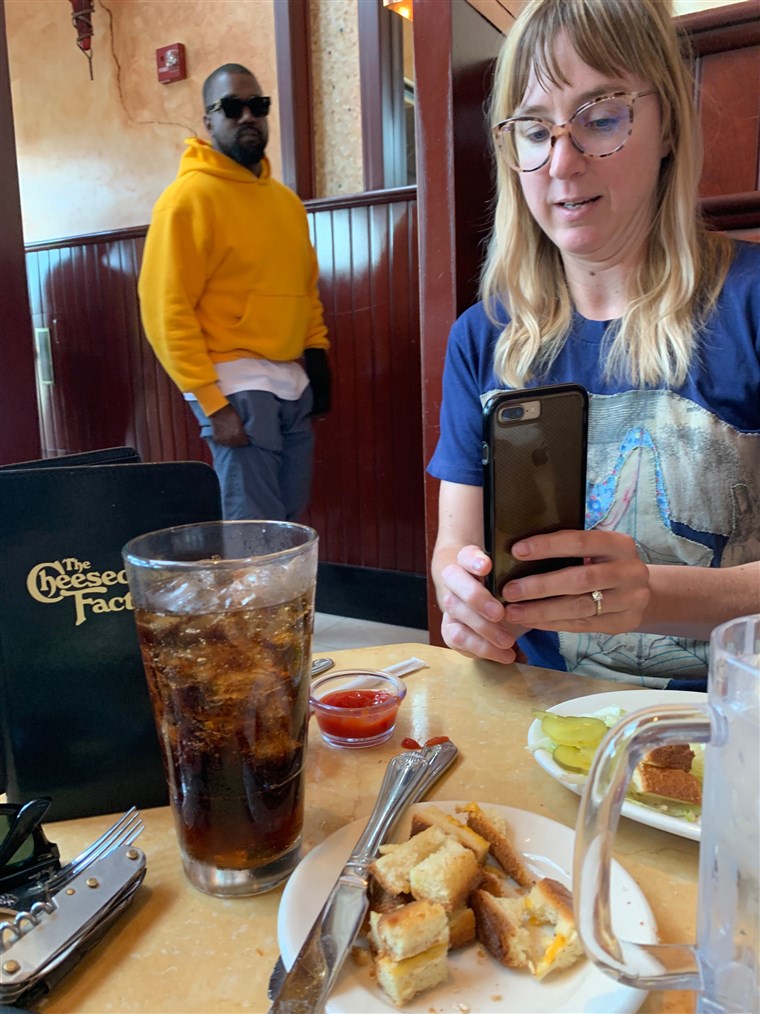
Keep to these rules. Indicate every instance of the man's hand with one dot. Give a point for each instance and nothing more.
(318, 371)
(227, 428)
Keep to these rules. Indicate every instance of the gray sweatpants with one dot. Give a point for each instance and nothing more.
(269, 478)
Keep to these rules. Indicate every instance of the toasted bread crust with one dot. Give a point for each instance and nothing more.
(499, 929)
(465, 835)
(402, 980)
(501, 847)
(494, 882)
(461, 928)
(671, 783)
(514, 930)
(446, 875)
(556, 896)
(674, 755)
(392, 869)
(411, 929)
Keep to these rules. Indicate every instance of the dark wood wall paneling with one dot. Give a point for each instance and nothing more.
(109, 390)
(726, 44)
(454, 51)
(368, 493)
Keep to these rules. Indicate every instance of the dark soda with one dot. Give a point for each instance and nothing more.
(230, 694)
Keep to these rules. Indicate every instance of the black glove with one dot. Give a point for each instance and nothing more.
(318, 372)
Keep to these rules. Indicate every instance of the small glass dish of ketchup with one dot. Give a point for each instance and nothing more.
(355, 708)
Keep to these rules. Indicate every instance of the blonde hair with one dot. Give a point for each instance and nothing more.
(683, 266)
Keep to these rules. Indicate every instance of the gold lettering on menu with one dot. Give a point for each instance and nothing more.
(70, 578)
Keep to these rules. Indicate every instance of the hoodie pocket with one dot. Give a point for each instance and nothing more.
(280, 320)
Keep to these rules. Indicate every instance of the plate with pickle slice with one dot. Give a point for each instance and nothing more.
(563, 740)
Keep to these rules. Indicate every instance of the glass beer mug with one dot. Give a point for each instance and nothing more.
(725, 964)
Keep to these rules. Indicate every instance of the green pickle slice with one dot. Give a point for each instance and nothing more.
(574, 758)
(573, 730)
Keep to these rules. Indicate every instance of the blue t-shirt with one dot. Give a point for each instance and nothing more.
(678, 470)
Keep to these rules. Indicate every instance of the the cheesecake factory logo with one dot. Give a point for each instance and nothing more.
(90, 591)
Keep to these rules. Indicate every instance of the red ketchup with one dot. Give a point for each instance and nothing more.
(351, 722)
(411, 744)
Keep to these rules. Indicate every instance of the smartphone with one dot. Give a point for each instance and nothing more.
(534, 473)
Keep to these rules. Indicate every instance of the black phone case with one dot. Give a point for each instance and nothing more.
(534, 475)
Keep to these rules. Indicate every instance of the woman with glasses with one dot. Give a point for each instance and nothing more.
(600, 273)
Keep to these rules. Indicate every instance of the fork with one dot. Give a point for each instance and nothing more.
(122, 832)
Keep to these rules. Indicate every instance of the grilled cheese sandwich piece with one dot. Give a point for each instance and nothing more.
(381, 900)
(499, 927)
(392, 869)
(496, 832)
(674, 755)
(433, 816)
(536, 931)
(461, 927)
(551, 905)
(670, 783)
(403, 980)
(494, 882)
(447, 875)
(409, 930)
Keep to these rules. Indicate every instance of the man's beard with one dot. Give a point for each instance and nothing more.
(248, 148)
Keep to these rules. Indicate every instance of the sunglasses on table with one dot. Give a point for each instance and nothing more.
(29, 856)
(233, 107)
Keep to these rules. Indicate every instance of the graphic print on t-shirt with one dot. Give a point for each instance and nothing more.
(696, 518)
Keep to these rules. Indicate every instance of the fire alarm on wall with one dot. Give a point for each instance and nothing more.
(170, 62)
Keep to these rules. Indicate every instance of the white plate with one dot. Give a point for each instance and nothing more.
(476, 981)
(628, 700)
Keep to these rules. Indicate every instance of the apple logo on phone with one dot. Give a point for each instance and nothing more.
(540, 456)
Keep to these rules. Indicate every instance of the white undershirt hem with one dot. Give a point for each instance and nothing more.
(287, 380)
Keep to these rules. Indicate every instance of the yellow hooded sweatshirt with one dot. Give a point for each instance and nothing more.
(228, 272)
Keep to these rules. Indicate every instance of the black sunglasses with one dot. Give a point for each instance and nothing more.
(233, 107)
(25, 852)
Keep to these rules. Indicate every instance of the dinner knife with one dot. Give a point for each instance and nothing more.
(307, 985)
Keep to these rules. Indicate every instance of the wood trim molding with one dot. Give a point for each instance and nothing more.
(363, 200)
(382, 95)
(91, 239)
(501, 13)
(719, 28)
(371, 86)
(292, 30)
(732, 211)
(368, 198)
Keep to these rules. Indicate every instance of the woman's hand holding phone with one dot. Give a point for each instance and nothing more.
(562, 599)
(474, 622)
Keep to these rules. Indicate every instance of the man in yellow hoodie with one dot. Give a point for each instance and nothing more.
(229, 302)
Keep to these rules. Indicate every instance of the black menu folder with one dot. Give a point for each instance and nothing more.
(75, 717)
(105, 456)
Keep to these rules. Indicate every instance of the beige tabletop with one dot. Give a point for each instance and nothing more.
(177, 950)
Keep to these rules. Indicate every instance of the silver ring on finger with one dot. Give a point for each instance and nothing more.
(598, 598)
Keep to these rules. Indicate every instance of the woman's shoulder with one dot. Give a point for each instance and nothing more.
(745, 265)
(475, 324)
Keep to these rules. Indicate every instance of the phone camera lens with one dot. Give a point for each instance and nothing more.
(513, 413)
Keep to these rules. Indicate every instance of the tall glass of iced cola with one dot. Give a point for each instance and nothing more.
(224, 615)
